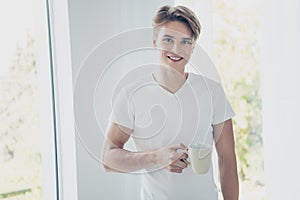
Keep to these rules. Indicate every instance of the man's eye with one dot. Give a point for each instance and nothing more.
(168, 40)
(187, 42)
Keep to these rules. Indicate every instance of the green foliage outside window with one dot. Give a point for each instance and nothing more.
(237, 55)
(20, 136)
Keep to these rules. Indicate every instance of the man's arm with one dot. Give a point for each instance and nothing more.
(116, 159)
(225, 147)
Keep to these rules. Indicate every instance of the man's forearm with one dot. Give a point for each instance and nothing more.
(229, 178)
(120, 160)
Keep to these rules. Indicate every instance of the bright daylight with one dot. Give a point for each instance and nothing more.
(63, 136)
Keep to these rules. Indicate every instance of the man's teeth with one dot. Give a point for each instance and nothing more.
(175, 58)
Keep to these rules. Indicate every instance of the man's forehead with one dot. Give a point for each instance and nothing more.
(163, 31)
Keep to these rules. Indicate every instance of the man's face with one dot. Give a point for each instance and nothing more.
(175, 42)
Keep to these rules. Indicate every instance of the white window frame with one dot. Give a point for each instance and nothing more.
(60, 158)
(45, 97)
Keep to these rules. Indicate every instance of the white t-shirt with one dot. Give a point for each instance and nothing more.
(159, 118)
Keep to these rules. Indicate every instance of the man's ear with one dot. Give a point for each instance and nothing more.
(154, 42)
(193, 48)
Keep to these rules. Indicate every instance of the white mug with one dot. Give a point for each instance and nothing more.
(200, 157)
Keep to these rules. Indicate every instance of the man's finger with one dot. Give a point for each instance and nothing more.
(179, 163)
(183, 156)
(179, 146)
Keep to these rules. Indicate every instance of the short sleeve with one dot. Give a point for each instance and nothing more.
(122, 110)
(222, 109)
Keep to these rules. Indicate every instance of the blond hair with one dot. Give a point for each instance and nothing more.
(178, 13)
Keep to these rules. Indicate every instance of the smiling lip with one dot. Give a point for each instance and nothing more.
(175, 58)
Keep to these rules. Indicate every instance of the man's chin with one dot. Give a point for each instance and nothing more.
(178, 65)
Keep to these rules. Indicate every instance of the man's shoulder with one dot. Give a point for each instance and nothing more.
(203, 81)
(137, 83)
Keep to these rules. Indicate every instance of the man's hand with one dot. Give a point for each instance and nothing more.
(170, 159)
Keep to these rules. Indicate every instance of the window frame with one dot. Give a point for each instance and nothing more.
(61, 182)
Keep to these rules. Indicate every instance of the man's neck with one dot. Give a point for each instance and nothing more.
(170, 79)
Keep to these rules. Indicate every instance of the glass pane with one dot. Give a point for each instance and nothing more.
(236, 44)
(237, 50)
(21, 155)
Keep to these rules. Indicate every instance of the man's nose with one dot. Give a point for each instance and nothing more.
(176, 48)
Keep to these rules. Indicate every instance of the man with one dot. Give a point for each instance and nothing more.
(167, 110)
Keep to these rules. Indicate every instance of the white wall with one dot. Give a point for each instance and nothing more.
(93, 22)
(281, 97)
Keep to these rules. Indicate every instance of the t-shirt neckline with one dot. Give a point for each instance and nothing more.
(179, 90)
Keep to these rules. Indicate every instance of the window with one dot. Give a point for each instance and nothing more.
(27, 137)
(37, 161)
(234, 42)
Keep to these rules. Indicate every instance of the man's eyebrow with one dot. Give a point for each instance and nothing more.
(166, 35)
(187, 38)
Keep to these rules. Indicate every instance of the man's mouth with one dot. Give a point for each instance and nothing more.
(175, 58)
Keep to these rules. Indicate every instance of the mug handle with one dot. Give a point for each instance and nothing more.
(186, 161)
